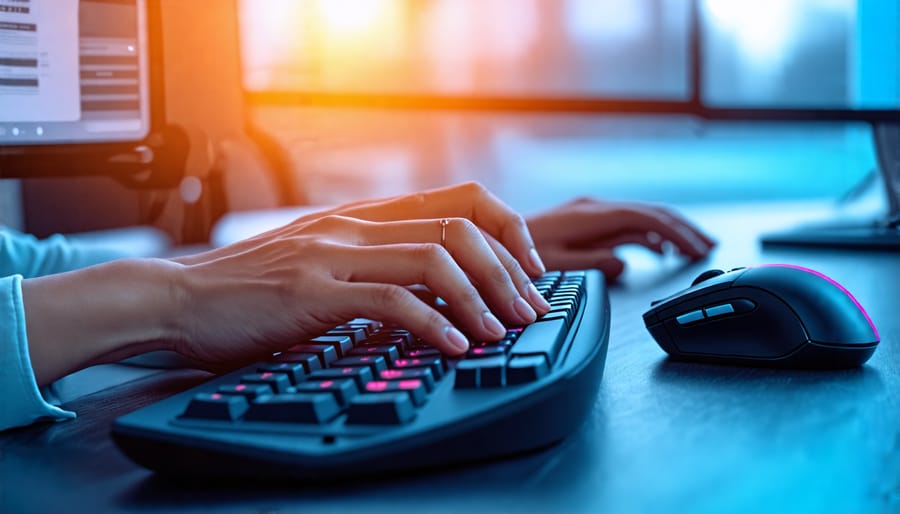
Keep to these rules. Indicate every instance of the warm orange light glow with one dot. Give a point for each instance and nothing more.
(350, 17)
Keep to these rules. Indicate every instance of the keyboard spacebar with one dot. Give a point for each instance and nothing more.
(542, 337)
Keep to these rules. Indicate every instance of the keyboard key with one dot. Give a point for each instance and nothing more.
(504, 344)
(218, 406)
(248, 391)
(381, 409)
(486, 351)
(541, 338)
(279, 382)
(310, 361)
(354, 335)
(423, 374)
(341, 388)
(558, 305)
(342, 343)
(421, 353)
(326, 353)
(493, 371)
(436, 365)
(294, 408)
(528, 368)
(374, 362)
(515, 332)
(359, 375)
(295, 371)
(486, 372)
(388, 351)
(402, 337)
(468, 374)
(415, 388)
(366, 324)
(563, 315)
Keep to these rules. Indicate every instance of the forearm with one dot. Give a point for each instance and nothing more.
(100, 314)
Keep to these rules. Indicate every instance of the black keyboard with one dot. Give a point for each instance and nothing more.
(368, 399)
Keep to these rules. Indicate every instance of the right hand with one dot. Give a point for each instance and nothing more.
(267, 293)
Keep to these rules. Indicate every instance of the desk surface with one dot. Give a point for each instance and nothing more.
(663, 436)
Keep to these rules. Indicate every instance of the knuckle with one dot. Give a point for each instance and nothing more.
(329, 222)
(473, 188)
(303, 245)
(470, 297)
(433, 319)
(517, 221)
(513, 267)
(499, 274)
(466, 227)
(431, 253)
(389, 296)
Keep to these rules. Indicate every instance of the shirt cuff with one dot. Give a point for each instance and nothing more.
(22, 403)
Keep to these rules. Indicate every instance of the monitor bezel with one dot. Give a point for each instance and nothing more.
(84, 157)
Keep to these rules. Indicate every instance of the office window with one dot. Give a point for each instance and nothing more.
(801, 53)
(480, 47)
(753, 53)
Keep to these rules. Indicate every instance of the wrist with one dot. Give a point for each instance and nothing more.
(101, 314)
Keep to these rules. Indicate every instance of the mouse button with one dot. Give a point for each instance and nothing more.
(706, 275)
(689, 294)
(828, 312)
(736, 306)
(770, 334)
(699, 300)
(769, 329)
(743, 305)
(719, 310)
(690, 317)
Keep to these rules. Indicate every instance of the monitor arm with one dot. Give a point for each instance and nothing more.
(156, 162)
(887, 148)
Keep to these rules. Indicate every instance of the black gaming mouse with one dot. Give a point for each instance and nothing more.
(772, 315)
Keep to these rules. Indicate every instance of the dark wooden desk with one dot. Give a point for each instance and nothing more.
(663, 437)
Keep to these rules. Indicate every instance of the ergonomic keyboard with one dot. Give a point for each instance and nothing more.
(368, 398)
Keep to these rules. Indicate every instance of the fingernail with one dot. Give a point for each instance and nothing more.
(536, 260)
(456, 338)
(537, 298)
(524, 310)
(493, 325)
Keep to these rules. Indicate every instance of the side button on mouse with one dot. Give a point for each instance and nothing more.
(690, 317)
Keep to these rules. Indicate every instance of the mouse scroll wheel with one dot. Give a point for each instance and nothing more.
(706, 275)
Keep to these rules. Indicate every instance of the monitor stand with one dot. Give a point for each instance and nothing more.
(877, 234)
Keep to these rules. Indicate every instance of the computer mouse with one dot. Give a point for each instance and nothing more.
(775, 315)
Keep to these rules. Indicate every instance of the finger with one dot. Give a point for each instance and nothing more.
(650, 240)
(469, 248)
(471, 201)
(413, 264)
(524, 284)
(674, 217)
(394, 304)
(586, 258)
(642, 220)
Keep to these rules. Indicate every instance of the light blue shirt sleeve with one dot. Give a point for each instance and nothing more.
(22, 402)
(24, 256)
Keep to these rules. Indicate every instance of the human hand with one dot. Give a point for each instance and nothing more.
(282, 287)
(582, 234)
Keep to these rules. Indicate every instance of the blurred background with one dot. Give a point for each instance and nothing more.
(296, 102)
(384, 96)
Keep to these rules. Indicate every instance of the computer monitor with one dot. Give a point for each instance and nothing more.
(73, 71)
(81, 92)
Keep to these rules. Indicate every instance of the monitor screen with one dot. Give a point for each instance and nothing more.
(73, 71)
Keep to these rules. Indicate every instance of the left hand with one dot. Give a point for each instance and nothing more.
(582, 233)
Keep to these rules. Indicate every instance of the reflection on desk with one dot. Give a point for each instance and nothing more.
(663, 436)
